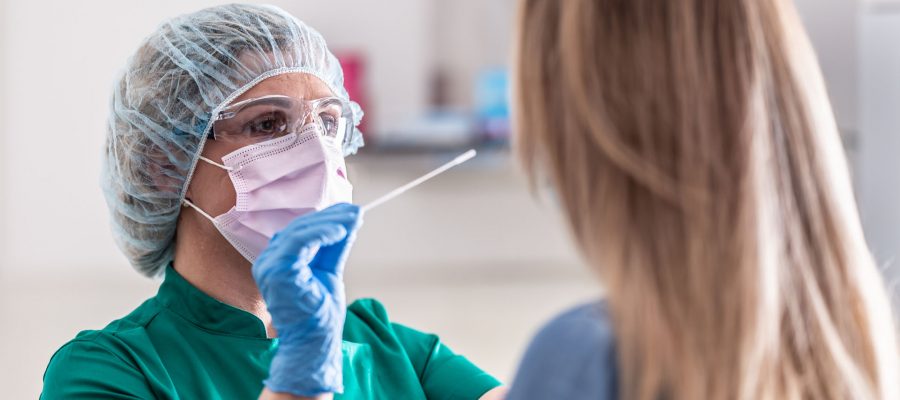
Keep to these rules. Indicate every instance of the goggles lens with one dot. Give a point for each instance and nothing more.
(260, 119)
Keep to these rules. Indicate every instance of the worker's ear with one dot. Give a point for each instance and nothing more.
(164, 176)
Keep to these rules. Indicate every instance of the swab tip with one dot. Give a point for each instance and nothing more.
(466, 156)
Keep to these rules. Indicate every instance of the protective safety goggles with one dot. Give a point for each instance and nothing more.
(263, 118)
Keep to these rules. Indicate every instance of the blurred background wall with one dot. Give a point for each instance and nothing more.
(470, 255)
(879, 126)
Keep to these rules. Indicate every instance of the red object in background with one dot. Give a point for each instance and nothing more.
(353, 63)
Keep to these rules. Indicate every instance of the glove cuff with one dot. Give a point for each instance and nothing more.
(297, 372)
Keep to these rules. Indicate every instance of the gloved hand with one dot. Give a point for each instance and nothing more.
(300, 276)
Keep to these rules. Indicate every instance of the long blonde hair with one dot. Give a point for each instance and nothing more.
(693, 148)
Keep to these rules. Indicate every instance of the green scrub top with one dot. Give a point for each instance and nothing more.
(183, 344)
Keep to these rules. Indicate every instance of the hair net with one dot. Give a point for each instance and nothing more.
(192, 66)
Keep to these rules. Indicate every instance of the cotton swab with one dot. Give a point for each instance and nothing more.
(402, 189)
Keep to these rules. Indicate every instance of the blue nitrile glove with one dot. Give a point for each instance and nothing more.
(300, 276)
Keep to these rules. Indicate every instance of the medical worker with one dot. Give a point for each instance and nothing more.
(692, 147)
(228, 131)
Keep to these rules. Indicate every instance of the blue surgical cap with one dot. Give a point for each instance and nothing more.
(192, 66)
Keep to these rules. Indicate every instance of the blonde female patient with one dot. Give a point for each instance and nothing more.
(692, 147)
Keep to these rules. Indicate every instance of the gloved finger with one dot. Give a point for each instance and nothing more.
(342, 209)
(291, 233)
(352, 224)
(346, 214)
(328, 263)
(332, 258)
(330, 218)
(292, 243)
(351, 209)
(291, 246)
(320, 235)
(286, 247)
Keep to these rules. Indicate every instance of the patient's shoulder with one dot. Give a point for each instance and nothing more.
(584, 327)
(572, 357)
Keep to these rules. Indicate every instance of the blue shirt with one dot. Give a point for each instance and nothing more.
(572, 357)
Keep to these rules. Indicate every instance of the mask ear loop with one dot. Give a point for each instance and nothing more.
(188, 203)
(225, 167)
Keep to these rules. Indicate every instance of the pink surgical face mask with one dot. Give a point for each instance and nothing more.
(276, 181)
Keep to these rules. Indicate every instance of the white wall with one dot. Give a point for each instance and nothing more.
(880, 133)
(60, 62)
(4, 190)
(472, 34)
(833, 27)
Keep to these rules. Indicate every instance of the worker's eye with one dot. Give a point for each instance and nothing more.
(329, 124)
(329, 113)
(273, 123)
